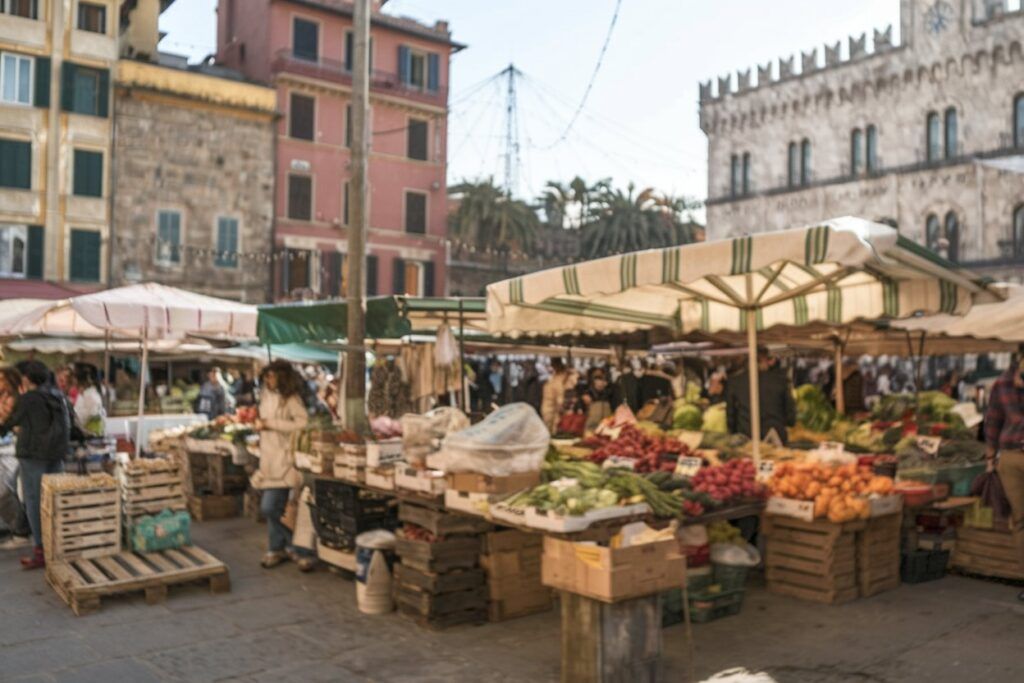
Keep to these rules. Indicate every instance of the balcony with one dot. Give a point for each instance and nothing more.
(381, 82)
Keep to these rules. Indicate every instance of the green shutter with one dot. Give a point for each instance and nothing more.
(85, 256)
(16, 164)
(429, 286)
(398, 276)
(371, 275)
(103, 96)
(34, 265)
(88, 174)
(42, 94)
(67, 86)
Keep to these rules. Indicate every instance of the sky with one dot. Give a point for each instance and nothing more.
(639, 123)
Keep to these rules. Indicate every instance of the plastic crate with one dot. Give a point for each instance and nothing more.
(672, 607)
(923, 565)
(960, 478)
(345, 499)
(357, 524)
(708, 606)
(730, 578)
(328, 532)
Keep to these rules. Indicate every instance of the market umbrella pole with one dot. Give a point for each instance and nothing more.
(462, 359)
(840, 396)
(755, 384)
(106, 372)
(142, 389)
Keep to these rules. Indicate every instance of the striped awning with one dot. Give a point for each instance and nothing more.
(840, 271)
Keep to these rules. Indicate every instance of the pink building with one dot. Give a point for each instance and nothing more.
(303, 48)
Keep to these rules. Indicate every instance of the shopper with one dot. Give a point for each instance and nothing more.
(1004, 437)
(281, 415)
(212, 399)
(627, 389)
(597, 398)
(43, 422)
(656, 384)
(778, 410)
(244, 389)
(553, 396)
(715, 391)
(89, 408)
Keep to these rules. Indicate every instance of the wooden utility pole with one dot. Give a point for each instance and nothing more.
(355, 361)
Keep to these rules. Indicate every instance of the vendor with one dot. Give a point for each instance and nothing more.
(656, 383)
(281, 415)
(1004, 436)
(715, 390)
(553, 395)
(778, 410)
(597, 397)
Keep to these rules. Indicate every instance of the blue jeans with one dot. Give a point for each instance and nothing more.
(31, 473)
(272, 505)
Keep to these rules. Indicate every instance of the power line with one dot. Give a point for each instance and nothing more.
(593, 77)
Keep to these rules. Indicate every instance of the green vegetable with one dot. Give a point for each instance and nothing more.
(714, 419)
(687, 417)
(813, 409)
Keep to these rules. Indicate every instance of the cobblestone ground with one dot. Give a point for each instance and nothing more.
(280, 625)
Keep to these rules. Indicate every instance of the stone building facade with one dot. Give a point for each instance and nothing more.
(927, 135)
(194, 179)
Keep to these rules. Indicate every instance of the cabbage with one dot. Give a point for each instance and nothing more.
(714, 419)
(687, 417)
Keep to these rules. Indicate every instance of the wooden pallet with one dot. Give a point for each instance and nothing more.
(82, 583)
(987, 552)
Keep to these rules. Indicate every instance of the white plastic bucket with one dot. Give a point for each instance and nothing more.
(373, 572)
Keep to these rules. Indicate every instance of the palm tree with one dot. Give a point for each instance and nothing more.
(488, 219)
(620, 221)
(555, 202)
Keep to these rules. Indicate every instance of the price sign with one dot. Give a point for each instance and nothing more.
(687, 466)
(564, 483)
(616, 461)
(690, 439)
(929, 444)
(765, 470)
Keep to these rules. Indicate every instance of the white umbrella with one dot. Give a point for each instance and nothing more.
(1002, 320)
(30, 317)
(158, 311)
(840, 271)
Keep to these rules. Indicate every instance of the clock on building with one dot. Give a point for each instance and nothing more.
(938, 17)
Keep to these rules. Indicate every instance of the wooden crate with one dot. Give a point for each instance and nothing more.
(205, 508)
(519, 606)
(212, 473)
(987, 552)
(878, 555)
(433, 605)
(80, 516)
(440, 522)
(448, 582)
(150, 487)
(82, 583)
(814, 561)
(443, 556)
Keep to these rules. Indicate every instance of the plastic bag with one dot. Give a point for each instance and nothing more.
(11, 515)
(511, 440)
(734, 555)
(446, 349)
(989, 487)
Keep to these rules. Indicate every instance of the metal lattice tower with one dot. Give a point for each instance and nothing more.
(511, 155)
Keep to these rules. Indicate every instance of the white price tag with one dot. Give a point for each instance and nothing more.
(688, 465)
(564, 483)
(765, 470)
(622, 463)
(690, 439)
(929, 444)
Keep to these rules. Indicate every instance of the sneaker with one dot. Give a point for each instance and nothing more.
(273, 559)
(13, 542)
(306, 564)
(34, 561)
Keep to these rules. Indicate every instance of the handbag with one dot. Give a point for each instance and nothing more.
(291, 514)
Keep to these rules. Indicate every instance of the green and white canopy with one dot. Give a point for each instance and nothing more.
(843, 270)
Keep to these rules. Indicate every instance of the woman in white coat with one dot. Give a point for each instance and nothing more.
(281, 415)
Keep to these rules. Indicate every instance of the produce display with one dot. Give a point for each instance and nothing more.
(839, 493)
(735, 480)
(813, 409)
(723, 532)
(650, 450)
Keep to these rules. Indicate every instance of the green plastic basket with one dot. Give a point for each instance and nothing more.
(707, 606)
(730, 578)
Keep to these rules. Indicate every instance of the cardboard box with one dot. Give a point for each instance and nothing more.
(512, 562)
(519, 605)
(380, 453)
(510, 539)
(612, 574)
(483, 483)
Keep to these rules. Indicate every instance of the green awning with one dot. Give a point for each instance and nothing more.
(390, 317)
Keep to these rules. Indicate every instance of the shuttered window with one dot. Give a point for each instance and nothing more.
(416, 213)
(372, 288)
(344, 203)
(16, 164)
(92, 17)
(227, 243)
(417, 142)
(305, 39)
(168, 238)
(350, 45)
(86, 247)
(348, 125)
(88, 174)
(85, 90)
(28, 9)
(300, 197)
(301, 117)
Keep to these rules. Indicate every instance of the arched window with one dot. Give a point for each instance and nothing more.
(1018, 121)
(1018, 231)
(934, 135)
(872, 155)
(952, 237)
(734, 175)
(793, 172)
(856, 152)
(932, 232)
(951, 134)
(746, 173)
(805, 162)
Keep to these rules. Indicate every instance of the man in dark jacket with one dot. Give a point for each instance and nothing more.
(43, 423)
(778, 409)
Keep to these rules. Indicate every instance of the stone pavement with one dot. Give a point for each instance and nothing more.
(280, 625)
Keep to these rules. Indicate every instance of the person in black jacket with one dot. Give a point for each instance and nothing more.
(778, 409)
(42, 421)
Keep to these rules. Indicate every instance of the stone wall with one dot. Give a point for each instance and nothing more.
(204, 161)
(960, 56)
